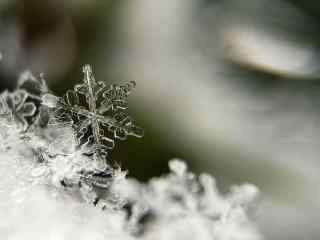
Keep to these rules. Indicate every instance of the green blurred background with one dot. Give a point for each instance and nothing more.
(231, 87)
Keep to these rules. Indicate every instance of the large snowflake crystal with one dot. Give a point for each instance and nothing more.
(97, 114)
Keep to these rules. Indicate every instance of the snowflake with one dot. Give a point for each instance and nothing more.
(14, 106)
(96, 113)
(20, 106)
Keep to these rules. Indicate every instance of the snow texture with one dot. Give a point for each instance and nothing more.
(57, 186)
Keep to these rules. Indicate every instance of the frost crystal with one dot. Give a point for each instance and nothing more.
(53, 163)
(94, 111)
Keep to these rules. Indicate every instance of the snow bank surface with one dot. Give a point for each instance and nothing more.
(177, 206)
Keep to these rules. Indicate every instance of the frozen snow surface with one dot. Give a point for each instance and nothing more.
(57, 181)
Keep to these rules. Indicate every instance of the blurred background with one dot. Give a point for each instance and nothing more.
(232, 87)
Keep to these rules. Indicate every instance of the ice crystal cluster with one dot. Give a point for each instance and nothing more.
(59, 182)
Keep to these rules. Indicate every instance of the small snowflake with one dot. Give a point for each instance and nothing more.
(14, 107)
(96, 113)
(21, 106)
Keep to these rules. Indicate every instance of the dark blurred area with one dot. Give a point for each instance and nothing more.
(231, 87)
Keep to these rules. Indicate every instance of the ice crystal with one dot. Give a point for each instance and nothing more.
(97, 116)
(94, 111)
